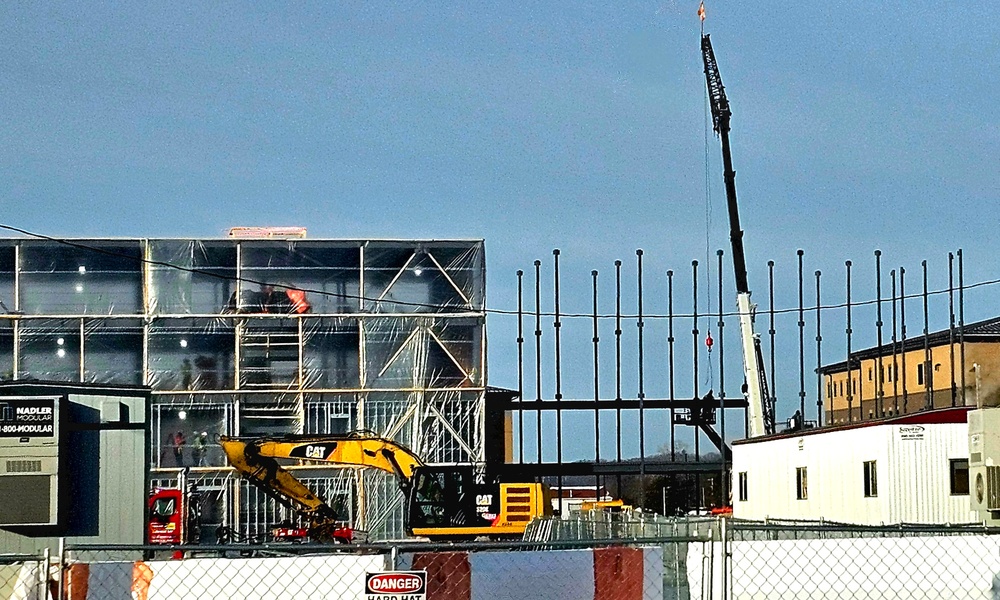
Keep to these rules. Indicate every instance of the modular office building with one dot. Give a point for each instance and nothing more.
(254, 337)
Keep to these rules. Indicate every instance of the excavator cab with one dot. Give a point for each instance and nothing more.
(444, 497)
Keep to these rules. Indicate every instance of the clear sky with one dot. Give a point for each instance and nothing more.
(579, 126)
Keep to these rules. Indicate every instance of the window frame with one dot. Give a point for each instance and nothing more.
(742, 486)
(870, 478)
(801, 483)
(953, 472)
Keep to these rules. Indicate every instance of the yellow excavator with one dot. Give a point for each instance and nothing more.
(442, 502)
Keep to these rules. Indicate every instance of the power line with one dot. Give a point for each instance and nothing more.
(495, 311)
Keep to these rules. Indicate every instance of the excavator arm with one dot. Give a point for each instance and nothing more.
(256, 459)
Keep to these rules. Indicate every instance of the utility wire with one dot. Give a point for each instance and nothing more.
(496, 311)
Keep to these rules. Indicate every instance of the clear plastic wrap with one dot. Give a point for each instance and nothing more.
(192, 354)
(203, 289)
(112, 351)
(91, 278)
(6, 349)
(331, 351)
(426, 278)
(423, 352)
(185, 430)
(50, 349)
(325, 274)
(261, 338)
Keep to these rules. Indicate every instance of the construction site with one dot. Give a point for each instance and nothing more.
(269, 415)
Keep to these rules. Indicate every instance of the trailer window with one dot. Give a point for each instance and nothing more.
(959, 477)
(801, 484)
(871, 479)
(743, 486)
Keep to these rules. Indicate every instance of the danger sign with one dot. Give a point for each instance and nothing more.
(396, 585)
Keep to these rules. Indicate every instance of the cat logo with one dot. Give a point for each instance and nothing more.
(318, 452)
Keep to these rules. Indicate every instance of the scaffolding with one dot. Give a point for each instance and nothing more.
(247, 337)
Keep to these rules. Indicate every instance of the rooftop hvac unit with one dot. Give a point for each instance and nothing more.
(29, 461)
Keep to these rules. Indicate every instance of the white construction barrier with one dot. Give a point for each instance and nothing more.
(954, 566)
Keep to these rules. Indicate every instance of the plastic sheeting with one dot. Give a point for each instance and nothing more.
(262, 337)
(103, 278)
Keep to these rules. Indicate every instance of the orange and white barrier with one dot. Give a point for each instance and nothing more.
(287, 578)
(614, 573)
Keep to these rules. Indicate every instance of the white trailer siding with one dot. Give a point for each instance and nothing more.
(912, 474)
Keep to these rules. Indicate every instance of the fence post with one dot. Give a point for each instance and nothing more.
(61, 572)
(43, 575)
(393, 558)
(724, 559)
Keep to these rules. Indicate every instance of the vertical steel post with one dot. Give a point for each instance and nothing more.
(557, 325)
(951, 324)
(618, 354)
(902, 333)
(538, 357)
(773, 400)
(961, 321)
(670, 358)
(880, 374)
(726, 459)
(694, 334)
(819, 358)
(597, 391)
(597, 379)
(520, 365)
(928, 367)
(850, 372)
(642, 389)
(802, 345)
(895, 349)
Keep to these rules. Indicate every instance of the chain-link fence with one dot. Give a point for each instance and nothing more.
(23, 577)
(697, 559)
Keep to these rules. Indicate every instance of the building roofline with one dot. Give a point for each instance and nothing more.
(952, 414)
(987, 330)
(352, 240)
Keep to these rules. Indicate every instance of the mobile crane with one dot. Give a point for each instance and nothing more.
(755, 387)
(442, 502)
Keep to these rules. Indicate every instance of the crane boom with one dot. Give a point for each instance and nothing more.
(756, 391)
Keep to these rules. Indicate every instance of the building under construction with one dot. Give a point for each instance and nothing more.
(262, 336)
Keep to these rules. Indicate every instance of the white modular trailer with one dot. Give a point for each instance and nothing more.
(908, 469)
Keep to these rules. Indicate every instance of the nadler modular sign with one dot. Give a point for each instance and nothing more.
(396, 585)
(27, 417)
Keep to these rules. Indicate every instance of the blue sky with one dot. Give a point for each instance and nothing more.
(578, 126)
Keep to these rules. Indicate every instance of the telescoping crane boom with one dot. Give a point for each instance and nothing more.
(756, 391)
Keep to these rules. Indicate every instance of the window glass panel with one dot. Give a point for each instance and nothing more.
(870, 479)
(801, 487)
(960, 477)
